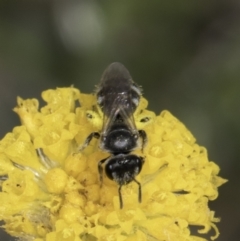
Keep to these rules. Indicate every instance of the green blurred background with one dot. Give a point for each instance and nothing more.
(185, 54)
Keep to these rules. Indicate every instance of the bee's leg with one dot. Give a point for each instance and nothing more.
(88, 139)
(100, 170)
(139, 190)
(44, 159)
(120, 196)
(143, 135)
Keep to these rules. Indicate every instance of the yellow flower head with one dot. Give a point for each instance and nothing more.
(50, 191)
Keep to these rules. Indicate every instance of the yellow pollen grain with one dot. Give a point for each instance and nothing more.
(56, 180)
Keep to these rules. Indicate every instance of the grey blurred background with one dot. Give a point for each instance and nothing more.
(185, 54)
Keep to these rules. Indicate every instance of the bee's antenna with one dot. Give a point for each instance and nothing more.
(139, 190)
(120, 196)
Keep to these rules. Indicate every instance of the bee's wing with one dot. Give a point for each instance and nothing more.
(121, 106)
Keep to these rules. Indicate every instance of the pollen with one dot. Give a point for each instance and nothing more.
(51, 188)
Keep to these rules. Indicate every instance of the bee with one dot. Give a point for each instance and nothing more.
(118, 97)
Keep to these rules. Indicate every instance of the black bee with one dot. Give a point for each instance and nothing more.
(118, 97)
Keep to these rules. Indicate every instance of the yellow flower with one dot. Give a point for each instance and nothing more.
(50, 191)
